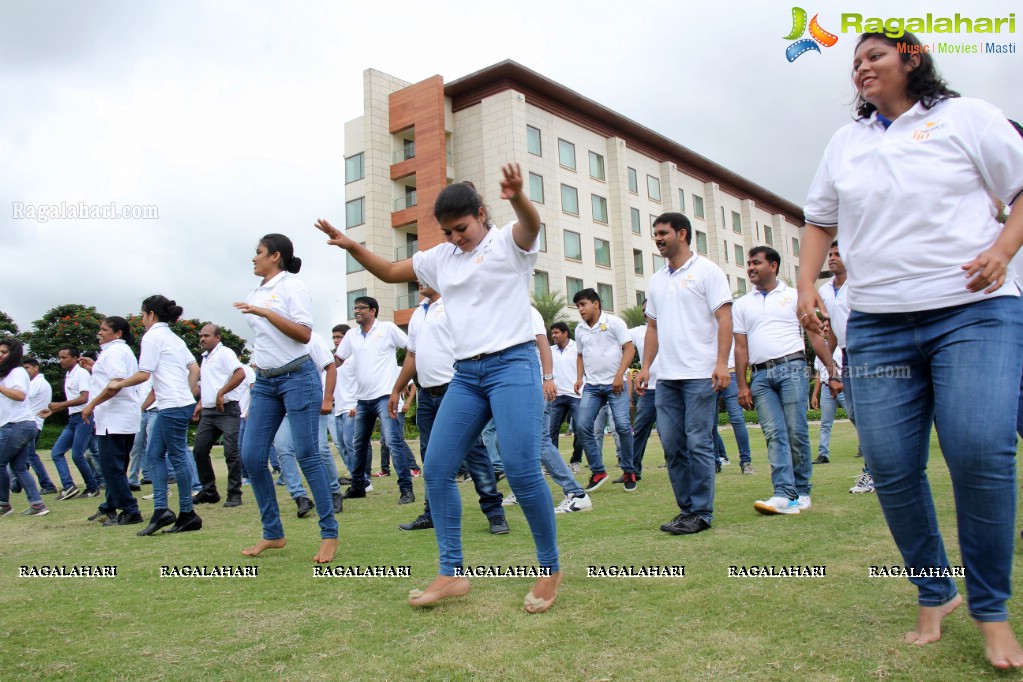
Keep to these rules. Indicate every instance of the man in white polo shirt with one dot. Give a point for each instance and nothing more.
(689, 328)
(566, 405)
(39, 396)
(220, 390)
(605, 353)
(768, 339)
(77, 434)
(372, 346)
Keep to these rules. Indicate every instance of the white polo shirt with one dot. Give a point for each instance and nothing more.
(165, 356)
(823, 371)
(769, 322)
(344, 389)
(487, 290)
(39, 397)
(638, 336)
(429, 337)
(683, 303)
(14, 411)
(373, 353)
(565, 370)
(837, 306)
(76, 382)
(911, 203)
(245, 397)
(601, 348)
(218, 366)
(287, 296)
(322, 355)
(120, 414)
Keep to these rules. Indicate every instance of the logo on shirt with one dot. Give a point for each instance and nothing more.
(921, 134)
(272, 300)
(685, 282)
(603, 327)
(818, 36)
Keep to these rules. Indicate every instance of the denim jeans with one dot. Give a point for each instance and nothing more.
(646, 417)
(505, 385)
(345, 446)
(962, 364)
(137, 458)
(329, 465)
(737, 418)
(212, 424)
(489, 437)
(550, 457)
(16, 442)
(74, 437)
(170, 435)
(564, 408)
(92, 457)
(687, 418)
(36, 465)
(828, 407)
(296, 395)
(114, 450)
(780, 395)
(604, 417)
(477, 460)
(366, 414)
(594, 398)
(289, 467)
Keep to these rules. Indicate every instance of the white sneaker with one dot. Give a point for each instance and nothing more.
(574, 503)
(777, 505)
(865, 484)
(509, 500)
(803, 502)
(148, 497)
(575, 467)
(369, 488)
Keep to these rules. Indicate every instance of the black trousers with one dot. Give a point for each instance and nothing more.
(114, 449)
(211, 425)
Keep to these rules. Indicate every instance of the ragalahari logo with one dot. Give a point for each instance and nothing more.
(817, 35)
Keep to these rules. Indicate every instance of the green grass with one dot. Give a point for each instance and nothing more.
(286, 624)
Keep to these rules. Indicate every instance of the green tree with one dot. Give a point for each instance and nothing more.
(634, 316)
(551, 308)
(188, 330)
(71, 324)
(7, 325)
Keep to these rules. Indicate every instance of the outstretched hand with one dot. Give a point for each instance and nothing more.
(335, 236)
(511, 183)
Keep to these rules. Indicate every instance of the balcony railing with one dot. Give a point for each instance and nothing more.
(407, 201)
(406, 251)
(406, 152)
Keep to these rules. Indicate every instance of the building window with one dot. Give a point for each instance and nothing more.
(736, 223)
(726, 251)
(701, 242)
(607, 297)
(602, 252)
(536, 187)
(566, 154)
(599, 205)
(572, 286)
(768, 235)
(633, 181)
(352, 265)
(541, 284)
(796, 267)
(682, 201)
(533, 145)
(653, 188)
(352, 295)
(634, 217)
(698, 206)
(653, 220)
(740, 285)
(355, 168)
(353, 212)
(596, 166)
(541, 239)
(640, 297)
(570, 200)
(573, 246)
(637, 261)
(795, 246)
(740, 255)
(722, 217)
(658, 261)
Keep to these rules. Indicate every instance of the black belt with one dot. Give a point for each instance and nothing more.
(437, 391)
(480, 356)
(283, 369)
(778, 361)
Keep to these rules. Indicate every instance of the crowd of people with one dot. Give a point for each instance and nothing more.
(905, 207)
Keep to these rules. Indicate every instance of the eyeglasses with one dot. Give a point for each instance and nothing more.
(361, 307)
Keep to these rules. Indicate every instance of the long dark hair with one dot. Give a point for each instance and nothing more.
(16, 351)
(165, 309)
(119, 324)
(278, 243)
(459, 200)
(925, 84)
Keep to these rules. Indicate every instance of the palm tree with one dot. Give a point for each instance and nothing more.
(634, 316)
(551, 308)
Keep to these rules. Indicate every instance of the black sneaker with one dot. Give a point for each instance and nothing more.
(233, 501)
(821, 459)
(15, 486)
(124, 519)
(352, 492)
(305, 505)
(206, 497)
(338, 502)
(498, 525)
(666, 527)
(344, 480)
(134, 487)
(688, 525)
(630, 482)
(717, 466)
(596, 480)
(69, 492)
(49, 491)
(422, 522)
(407, 497)
(94, 492)
(101, 515)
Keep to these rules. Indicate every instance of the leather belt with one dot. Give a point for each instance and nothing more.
(437, 391)
(779, 361)
(283, 369)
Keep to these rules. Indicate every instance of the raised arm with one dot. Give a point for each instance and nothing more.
(527, 224)
(380, 267)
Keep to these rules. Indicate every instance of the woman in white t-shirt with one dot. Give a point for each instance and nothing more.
(483, 272)
(279, 311)
(936, 329)
(17, 429)
(116, 416)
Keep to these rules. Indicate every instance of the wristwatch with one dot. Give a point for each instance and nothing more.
(548, 377)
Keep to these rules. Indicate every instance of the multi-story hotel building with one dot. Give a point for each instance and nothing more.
(596, 177)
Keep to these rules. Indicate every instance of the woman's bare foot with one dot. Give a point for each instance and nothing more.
(928, 623)
(262, 545)
(328, 548)
(442, 587)
(1000, 645)
(543, 594)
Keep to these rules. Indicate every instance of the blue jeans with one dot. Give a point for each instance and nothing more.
(828, 407)
(646, 417)
(17, 440)
(604, 416)
(289, 467)
(329, 465)
(92, 457)
(737, 418)
(477, 461)
(962, 365)
(170, 435)
(346, 433)
(564, 408)
(296, 395)
(687, 419)
(114, 450)
(136, 460)
(780, 395)
(505, 385)
(366, 414)
(489, 437)
(74, 437)
(551, 458)
(36, 465)
(594, 398)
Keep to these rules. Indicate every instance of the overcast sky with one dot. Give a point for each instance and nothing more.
(229, 118)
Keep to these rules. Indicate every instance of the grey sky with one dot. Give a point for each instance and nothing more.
(228, 117)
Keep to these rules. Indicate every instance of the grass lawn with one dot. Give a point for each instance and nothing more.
(287, 624)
